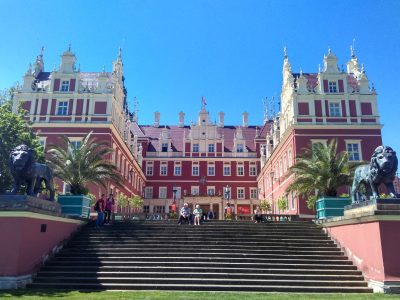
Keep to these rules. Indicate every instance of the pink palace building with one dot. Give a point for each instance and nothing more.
(207, 163)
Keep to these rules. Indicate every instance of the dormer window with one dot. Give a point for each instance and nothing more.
(65, 86)
(332, 87)
(334, 109)
(239, 148)
(164, 147)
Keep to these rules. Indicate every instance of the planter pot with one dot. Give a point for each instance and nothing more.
(76, 206)
(329, 207)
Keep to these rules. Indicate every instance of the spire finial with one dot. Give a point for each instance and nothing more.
(301, 72)
(319, 68)
(120, 53)
(362, 68)
(285, 52)
(41, 51)
(69, 47)
(329, 50)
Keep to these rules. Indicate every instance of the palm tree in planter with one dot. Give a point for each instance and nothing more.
(79, 166)
(320, 171)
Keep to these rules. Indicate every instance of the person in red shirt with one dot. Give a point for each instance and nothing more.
(100, 206)
(108, 209)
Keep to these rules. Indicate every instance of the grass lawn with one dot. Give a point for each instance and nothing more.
(164, 295)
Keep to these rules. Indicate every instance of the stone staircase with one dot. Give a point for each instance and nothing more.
(216, 256)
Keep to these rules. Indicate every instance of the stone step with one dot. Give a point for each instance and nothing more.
(209, 262)
(194, 255)
(311, 269)
(198, 280)
(201, 287)
(183, 252)
(191, 274)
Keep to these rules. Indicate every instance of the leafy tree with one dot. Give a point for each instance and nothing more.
(136, 202)
(320, 171)
(79, 166)
(14, 130)
(265, 205)
(282, 203)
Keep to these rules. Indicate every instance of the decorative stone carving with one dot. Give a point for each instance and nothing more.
(25, 170)
(382, 169)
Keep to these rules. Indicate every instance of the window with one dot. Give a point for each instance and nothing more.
(149, 169)
(178, 171)
(163, 169)
(65, 86)
(211, 170)
(146, 209)
(164, 147)
(239, 148)
(62, 108)
(332, 87)
(158, 209)
(162, 192)
(292, 202)
(76, 144)
(195, 148)
(42, 142)
(148, 192)
(240, 170)
(211, 190)
(211, 148)
(253, 170)
(290, 158)
(178, 193)
(227, 170)
(240, 193)
(334, 109)
(354, 151)
(195, 190)
(253, 193)
(195, 170)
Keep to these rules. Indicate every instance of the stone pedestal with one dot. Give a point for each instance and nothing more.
(32, 230)
(369, 234)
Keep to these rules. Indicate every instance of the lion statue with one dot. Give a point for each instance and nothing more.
(25, 170)
(382, 169)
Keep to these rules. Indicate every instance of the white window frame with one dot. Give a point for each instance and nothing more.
(42, 141)
(164, 145)
(254, 168)
(62, 108)
(240, 193)
(176, 172)
(148, 192)
(240, 167)
(75, 141)
(194, 190)
(195, 167)
(240, 148)
(354, 142)
(149, 169)
(163, 167)
(228, 167)
(335, 109)
(64, 87)
(209, 168)
(253, 193)
(332, 87)
(195, 147)
(210, 190)
(211, 148)
(162, 192)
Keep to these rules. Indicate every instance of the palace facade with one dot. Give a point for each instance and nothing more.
(206, 163)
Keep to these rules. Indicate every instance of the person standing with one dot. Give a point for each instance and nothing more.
(184, 214)
(100, 206)
(198, 212)
(258, 214)
(108, 209)
(210, 214)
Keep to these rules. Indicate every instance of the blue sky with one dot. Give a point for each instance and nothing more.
(228, 51)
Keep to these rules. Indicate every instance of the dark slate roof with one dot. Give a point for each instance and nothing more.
(177, 135)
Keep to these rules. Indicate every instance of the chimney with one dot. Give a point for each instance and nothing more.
(156, 119)
(181, 119)
(221, 119)
(245, 117)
